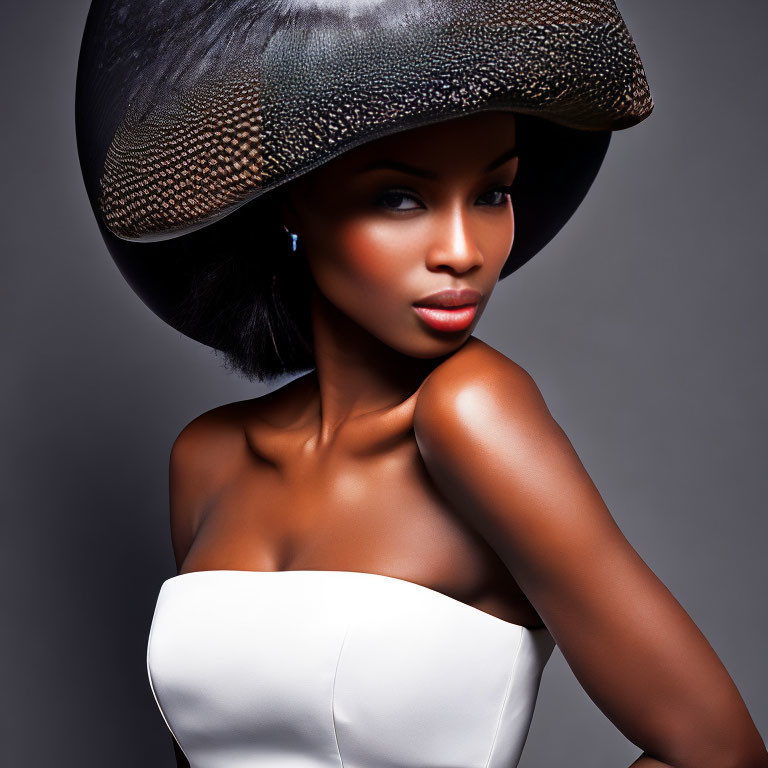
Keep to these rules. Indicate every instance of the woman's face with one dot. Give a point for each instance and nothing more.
(392, 222)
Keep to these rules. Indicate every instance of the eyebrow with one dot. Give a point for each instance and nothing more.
(394, 165)
(501, 159)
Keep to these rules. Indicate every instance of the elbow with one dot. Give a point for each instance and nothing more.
(753, 760)
(741, 756)
(746, 751)
(725, 739)
(741, 749)
(750, 761)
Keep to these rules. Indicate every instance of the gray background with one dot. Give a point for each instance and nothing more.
(643, 324)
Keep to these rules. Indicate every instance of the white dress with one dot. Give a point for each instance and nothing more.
(339, 669)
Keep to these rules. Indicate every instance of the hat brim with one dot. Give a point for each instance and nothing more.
(187, 116)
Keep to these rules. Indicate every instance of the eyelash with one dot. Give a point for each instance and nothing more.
(504, 188)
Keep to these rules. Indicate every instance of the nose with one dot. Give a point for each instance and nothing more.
(454, 247)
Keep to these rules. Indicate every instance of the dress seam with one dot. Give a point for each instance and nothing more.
(333, 694)
(505, 699)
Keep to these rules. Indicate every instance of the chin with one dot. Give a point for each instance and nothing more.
(424, 345)
(410, 336)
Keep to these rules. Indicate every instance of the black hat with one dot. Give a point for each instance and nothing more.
(186, 111)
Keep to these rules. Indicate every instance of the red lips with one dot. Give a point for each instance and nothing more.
(449, 310)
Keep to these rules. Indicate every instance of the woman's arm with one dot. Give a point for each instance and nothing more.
(492, 448)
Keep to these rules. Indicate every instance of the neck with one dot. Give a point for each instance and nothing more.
(356, 373)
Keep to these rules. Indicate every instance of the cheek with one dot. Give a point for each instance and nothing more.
(366, 265)
(495, 241)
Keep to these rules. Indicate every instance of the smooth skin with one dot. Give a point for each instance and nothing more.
(429, 456)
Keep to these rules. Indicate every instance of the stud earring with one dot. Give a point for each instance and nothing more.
(294, 238)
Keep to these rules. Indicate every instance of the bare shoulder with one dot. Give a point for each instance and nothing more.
(211, 445)
(208, 443)
(206, 454)
(216, 447)
(474, 392)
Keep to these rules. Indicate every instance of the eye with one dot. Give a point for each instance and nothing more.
(501, 193)
(391, 197)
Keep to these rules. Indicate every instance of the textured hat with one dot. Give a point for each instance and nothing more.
(188, 110)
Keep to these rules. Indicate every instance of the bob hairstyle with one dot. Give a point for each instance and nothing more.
(253, 303)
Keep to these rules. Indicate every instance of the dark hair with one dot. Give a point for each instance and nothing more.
(250, 296)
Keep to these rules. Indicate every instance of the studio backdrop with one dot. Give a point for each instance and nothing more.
(643, 323)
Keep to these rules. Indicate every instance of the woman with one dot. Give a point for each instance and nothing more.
(376, 559)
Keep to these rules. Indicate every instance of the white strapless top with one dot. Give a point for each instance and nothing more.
(342, 669)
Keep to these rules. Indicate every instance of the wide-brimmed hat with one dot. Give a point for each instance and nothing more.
(187, 111)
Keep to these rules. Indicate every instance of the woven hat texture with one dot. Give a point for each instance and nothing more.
(234, 98)
(188, 110)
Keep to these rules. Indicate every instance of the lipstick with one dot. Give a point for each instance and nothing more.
(449, 310)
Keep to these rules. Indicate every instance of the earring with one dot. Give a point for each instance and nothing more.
(294, 238)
